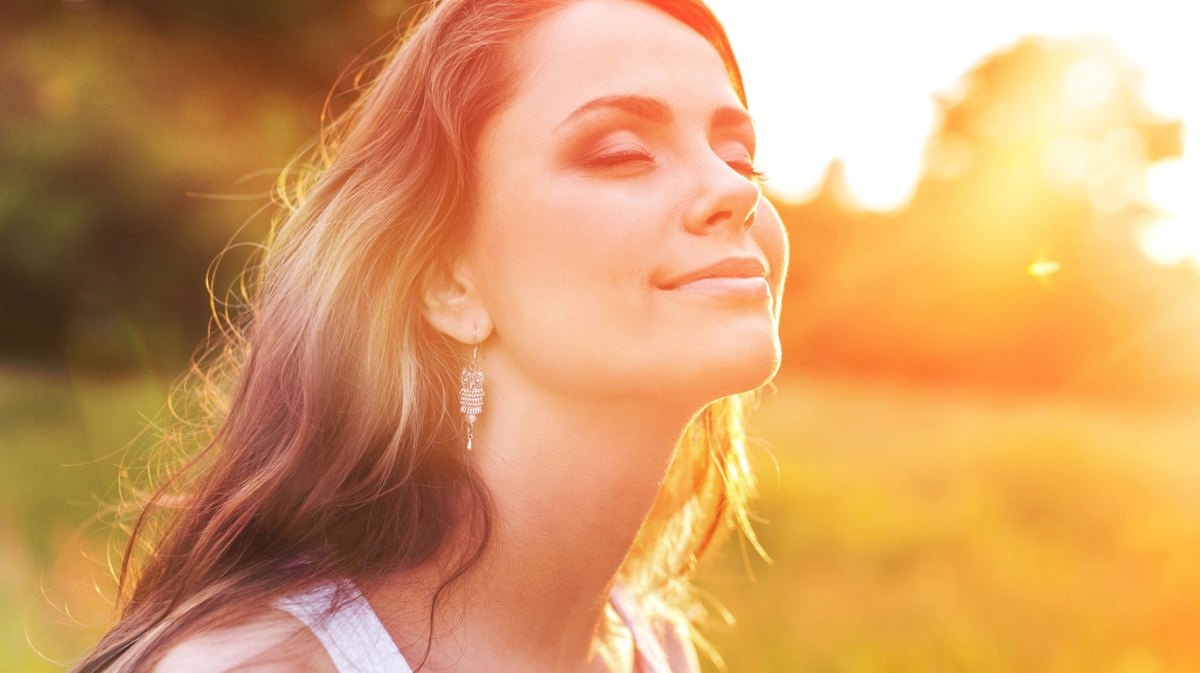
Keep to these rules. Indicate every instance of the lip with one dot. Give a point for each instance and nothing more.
(731, 273)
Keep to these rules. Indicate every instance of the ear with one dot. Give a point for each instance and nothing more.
(452, 305)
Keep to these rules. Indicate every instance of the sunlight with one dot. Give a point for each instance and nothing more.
(1170, 242)
(856, 80)
(1042, 268)
(1175, 238)
(1090, 82)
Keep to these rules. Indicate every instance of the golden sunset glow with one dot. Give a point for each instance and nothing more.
(1174, 238)
(1043, 268)
(976, 450)
(857, 81)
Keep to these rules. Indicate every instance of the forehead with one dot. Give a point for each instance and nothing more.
(597, 48)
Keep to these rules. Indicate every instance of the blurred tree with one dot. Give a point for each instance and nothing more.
(116, 121)
(1015, 263)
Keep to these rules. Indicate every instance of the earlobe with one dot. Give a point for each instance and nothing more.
(451, 303)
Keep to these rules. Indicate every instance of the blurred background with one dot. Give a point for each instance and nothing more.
(980, 454)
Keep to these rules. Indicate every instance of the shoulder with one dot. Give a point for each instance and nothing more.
(270, 642)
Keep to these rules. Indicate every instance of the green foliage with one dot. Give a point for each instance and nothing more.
(943, 530)
(911, 529)
(62, 440)
(135, 142)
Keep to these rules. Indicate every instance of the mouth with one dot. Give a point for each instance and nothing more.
(754, 289)
(738, 275)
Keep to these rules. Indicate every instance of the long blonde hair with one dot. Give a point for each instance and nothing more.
(324, 442)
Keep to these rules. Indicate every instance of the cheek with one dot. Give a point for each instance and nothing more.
(557, 259)
(568, 236)
(565, 274)
(535, 249)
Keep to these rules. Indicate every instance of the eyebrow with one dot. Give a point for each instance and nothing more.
(654, 110)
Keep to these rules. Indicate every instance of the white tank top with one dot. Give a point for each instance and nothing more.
(357, 641)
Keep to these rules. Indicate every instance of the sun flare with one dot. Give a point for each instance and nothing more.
(857, 80)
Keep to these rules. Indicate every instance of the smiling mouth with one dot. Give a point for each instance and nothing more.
(732, 274)
(741, 287)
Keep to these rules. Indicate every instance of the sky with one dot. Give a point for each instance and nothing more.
(856, 79)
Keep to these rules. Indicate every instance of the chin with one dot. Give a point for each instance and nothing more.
(743, 374)
(728, 366)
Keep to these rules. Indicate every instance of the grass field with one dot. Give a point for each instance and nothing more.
(941, 531)
(911, 530)
(60, 441)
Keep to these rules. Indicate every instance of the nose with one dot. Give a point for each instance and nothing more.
(725, 199)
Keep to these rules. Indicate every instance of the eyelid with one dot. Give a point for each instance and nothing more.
(615, 157)
(751, 171)
(745, 164)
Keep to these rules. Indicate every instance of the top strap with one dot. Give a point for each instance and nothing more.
(342, 619)
(669, 652)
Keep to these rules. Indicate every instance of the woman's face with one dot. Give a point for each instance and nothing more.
(620, 170)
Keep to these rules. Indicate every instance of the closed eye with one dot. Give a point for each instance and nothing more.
(743, 167)
(619, 158)
(747, 170)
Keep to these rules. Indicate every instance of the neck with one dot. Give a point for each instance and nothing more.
(572, 481)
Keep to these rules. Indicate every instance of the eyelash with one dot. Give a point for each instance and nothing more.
(745, 168)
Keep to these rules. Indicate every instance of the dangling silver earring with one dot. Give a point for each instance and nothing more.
(470, 396)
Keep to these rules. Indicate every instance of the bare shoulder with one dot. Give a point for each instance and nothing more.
(272, 642)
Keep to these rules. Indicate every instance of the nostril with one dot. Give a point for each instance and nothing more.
(718, 218)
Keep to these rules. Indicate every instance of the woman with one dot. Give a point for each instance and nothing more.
(484, 412)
